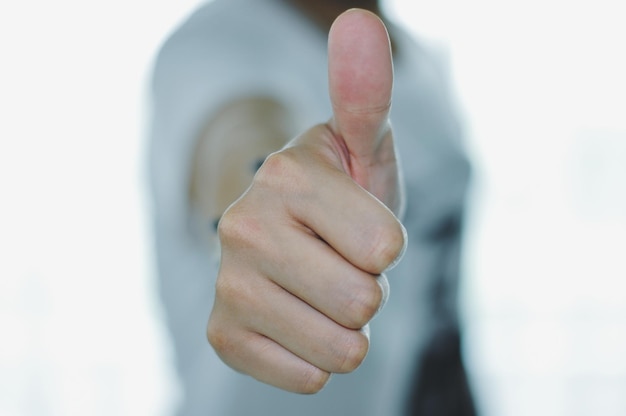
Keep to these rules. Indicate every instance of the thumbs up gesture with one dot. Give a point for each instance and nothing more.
(305, 247)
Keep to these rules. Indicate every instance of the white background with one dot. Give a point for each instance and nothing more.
(544, 97)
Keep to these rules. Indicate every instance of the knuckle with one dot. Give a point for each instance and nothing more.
(238, 229)
(278, 169)
(364, 303)
(312, 381)
(386, 245)
(287, 174)
(219, 339)
(351, 352)
(220, 331)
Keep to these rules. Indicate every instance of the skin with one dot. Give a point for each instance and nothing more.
(222, 168)
(324, 12)
(230, 149)
(304, 249)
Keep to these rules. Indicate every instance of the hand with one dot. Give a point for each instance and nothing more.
(305, 248)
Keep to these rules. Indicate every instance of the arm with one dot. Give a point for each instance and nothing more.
(231, 148)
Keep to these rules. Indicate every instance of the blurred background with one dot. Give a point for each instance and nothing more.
(543, 93)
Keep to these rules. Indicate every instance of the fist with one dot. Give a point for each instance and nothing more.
(305, 248)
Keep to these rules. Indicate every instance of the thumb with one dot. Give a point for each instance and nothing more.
(360, 73)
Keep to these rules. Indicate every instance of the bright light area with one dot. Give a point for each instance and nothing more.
(79, 316)
(543, 93)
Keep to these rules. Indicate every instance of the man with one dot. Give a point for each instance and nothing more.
(305, 249)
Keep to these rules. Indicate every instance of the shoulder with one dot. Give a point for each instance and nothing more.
(233, 48)
(223, 33)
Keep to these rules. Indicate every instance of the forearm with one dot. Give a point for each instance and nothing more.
(236, 139)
